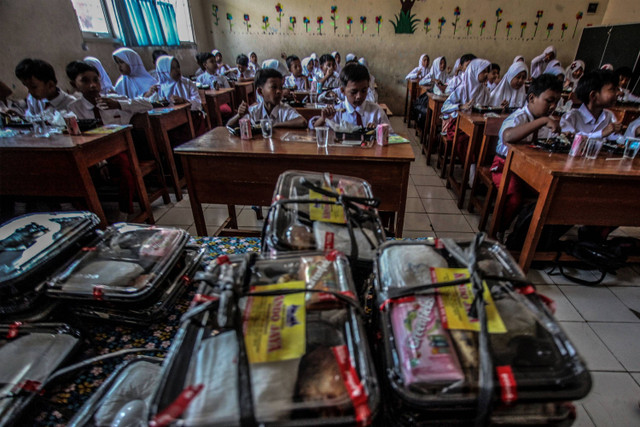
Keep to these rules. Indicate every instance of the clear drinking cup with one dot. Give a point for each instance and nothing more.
(631, 146)
(592, 148)
(267, 128)
(322, 136)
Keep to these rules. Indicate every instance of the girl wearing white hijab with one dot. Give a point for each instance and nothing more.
(421, 70)
(253, 61)
(105, 81)
(135, 81)
(518, 58)
(555, 69)
(510, 92)
(222, 67)
(437, 73)
(472, 90)
(350, 57)
(573, 73)
(174, 87)
(338, 59)
(275, 65)
(307, 67)
(608, 67)
(540, 62)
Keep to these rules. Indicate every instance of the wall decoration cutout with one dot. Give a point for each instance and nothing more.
(405, 21)
(292, 21)
(509, 27)
(441, 23)
(363, 23)
(279, 10)
(498, 20)
(214, 12)
(349, 22)
(483, 24)
(246, 21)
(427, 24)
(306, 23)
(334, 18)
(538, 16)
(456, 17)
(469, 25)
(230, 18)
(379, 22)
(578, 18)
(549, 28)
(523, 26)
(320, 21)
(265, 23)
(563, 28)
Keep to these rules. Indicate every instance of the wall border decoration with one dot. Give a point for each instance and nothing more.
(379, 22)
(292, 21)
(441, 23)
(523, 26)
(246, 19)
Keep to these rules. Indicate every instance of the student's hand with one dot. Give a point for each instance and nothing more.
(611, 128)
(328, 112)
(177, 99)
(242, 109)
(371, 125)
(107, 104)
(283, 55)
(467, 106)
(504, 104)
(553, 123)
(448, 70)
(153, 89)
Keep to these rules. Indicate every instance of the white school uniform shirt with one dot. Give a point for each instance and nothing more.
(369, 111)
(332, 82)
(84, 109)
(492, 86)
(517, 118)
(628, 96)
(581, 120)
(324, 97)
(235, 73)
(301, 83)
(469, 89)
(435, 73)
(504, 92)
(280, 113)
(209, 80)
(538, 64)
(183, 87)
(419, 72)
(633, 126)
(59, 103)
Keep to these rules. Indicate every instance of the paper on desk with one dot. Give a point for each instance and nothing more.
(343, 126)
(106, 129)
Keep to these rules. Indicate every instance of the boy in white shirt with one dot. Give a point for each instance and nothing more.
(242, 72)
(296, 80)
(624, 77)
(210, 76)
(355, 109)
(269, 87)
(330, 79)
(40, 79)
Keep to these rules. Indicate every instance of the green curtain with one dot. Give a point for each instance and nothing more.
(147, 23)
(169, 23)
(152, 21)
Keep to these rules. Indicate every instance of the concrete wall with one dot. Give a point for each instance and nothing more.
(622, 12)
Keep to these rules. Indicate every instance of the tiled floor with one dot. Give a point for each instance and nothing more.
(603, 321)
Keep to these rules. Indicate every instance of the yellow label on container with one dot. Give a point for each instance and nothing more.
(454, 303)
(325, 212)
(275, 326)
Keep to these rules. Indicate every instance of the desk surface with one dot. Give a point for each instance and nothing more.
(221, 91)
(219, 142)
(440, 98)
(58, 142)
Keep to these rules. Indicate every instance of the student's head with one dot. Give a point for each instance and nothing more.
(157, 54)
(38, 77)
(242, 62)
(175, 70)
(478, 68)
(549, 53)
(327, 63)
(577, 69)
(597, 89)
(269, 85)
(200, 58)
(209, 63)
(308, 64)
(218, 55)
(424, 60)
(294, 65)
(337, 57)
(253, 57)
(624, 76)
(518, 80)
(443, 64)
(354, 83)
(85, 78)
(494, 72)
(544, 94)
(465, 60)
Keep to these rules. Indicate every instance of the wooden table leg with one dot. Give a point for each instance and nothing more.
(194, 200)
(452, 160)
(90, 194)
(432, 133)
(498, 210)
(537, 222)
(173, 171)
(468, 160)
(233, 218)
(403, 200)
(425, 131)
(141, 190)
(406, 100)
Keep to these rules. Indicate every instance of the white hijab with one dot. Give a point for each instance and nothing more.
(518, 58)
(554, 67)
(471, 88)
(139, 81)
(168, 86)
(435, 72)
(575, 65)
(419, 72)
(349, 57)
(105, 80)
(456, 67)
(503, 91)
(305, 64)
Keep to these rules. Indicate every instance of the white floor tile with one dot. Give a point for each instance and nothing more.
(214, 217)
(414, 204)
(582, 418)
(564, 309)
(445, 222)
(411, 191)
(613, 400)
(626, 276)
(538, 277)
(445, 206)
(455, 235)
(592, 350)
(623, 339)
(431, 192)
(630, 296)
(598, 304)
(247, 218)
(636, 376)
(416, 234)
(473, 220)
(177, 216)
(433, 180)
(559, 279)
(416, 222)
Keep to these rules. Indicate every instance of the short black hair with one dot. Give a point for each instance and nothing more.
(75, 68)
(264, 74)
(494, 66)
(243, 60)
(327, 58)
(467, 57)
(624, 72)
(594, 81)
(290, 60)
(353, 61)
(544, 82)
(353, 72)
(158, 53)
(37, 68)
(202, 57)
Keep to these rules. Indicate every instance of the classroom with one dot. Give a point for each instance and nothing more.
(421, 212)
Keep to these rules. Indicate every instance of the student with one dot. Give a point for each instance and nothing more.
(174, 87)
(494, 76)
(421, 70)
(554, 67)
(330, 79)
(573, 73)
(597, 91)
(510, 92)
(269, 87)
(634, 129)
(455, 80)
(274, 64)
(40, 80)
(157, 53)
(355, 109)
(210, 77)
(105, 80)
(607, 67)
(134, 81)
(308, 68)
(85, 78)
(253, 62)
(296, 80)
(520, 127)
(338, 59)
(222, 67)
(9, 106)
(242, 72)
(437, 75)
(350, 57)
(540, 62)
(624, 77)
(519, 58)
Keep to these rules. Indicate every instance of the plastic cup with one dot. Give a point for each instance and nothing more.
(267, 128)
(592, 148)
(322, 136)
(631, 146)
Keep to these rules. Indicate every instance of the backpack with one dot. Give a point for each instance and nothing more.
(549, 238)
(419, 110)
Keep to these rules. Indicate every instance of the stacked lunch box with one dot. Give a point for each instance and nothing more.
(465, 340)
(321, 211)
(131, 273)
(270, 341)
(31, 246)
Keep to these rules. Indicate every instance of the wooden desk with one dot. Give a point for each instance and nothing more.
(571, 191)
(625, 114)
(386, 109)
(59, 167)
(245, 91)
(310, 110)
(472, 125)
(164, 120)
(214, 99)
(142, 123)
(431, 123)
(223, 169)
